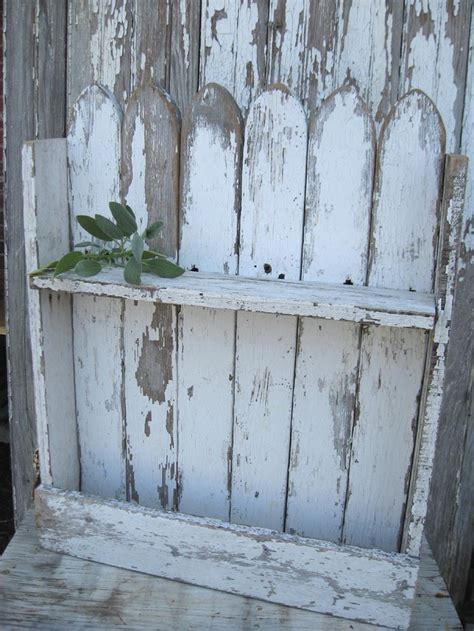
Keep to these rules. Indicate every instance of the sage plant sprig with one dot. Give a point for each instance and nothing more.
(117, 244)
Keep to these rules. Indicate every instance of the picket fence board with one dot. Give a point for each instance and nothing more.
(309, 574)
(341, 144)
(47, 237)
(270, 245)
(150, 179)
(402, 255)
(373, 305)
(210, 206)
(93, 145)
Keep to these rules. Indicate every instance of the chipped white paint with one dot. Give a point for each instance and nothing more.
(308, 574)
(402, 255)
(150, 144)
(46, 238)
(270, 245)
(93, 144)
(341, 148)
(210, 187)
(373, 305)
(233, 36)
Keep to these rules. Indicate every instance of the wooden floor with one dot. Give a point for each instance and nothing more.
(46, 590)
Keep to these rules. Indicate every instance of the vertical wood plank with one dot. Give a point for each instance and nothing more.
(436, 33)
(93, 143)
(270, 245)
(149, 43)
(341, 141)
(46, 239)
(233, 46)
(184, 56)
(150, 168)
(99, 46)
(210, 203)
(402, 255)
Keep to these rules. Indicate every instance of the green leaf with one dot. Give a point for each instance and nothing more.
(162, 267)
(152, 231)
(109, 228)
(132, 271)
(47, 267)
(67, 262)
(88, 244)
(149, 254)
(124, 217)
(130, 210)
(87, 267)
(90, 225)
(138, 246)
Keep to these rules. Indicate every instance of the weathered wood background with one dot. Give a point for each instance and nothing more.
(385, 47)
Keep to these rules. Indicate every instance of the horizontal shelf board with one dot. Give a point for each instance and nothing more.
(345, 581)
(218, 291)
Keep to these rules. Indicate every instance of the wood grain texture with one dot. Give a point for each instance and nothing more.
(329, 301)
(341, 144)
(402, 255)
(210, 206)
(437, 30)
(233, 45)
(346, 582)
(149, 42)
(46, 239)
(271, 234)
(93, 144)
(184, 55)
(150, 173)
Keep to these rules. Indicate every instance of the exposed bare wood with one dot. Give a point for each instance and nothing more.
(150, 42)
(184, 56)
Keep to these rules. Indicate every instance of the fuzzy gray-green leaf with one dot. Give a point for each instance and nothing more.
(132, 271)
(68, 262)
(124, 218)
(162, 267)
(87, 267)
(137, 246)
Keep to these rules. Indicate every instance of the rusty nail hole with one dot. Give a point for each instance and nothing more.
(348, 281)
(267, 268)
(411, 289)
(194, 268)
(281, 276)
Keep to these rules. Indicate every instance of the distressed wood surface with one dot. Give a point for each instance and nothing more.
(445, 283)
(47, 590)
(348, 582)
(149, 41)
(341, 141)
(46, 238)
(93, 144)
(372, 305)
(211, 144)
(270, 246)
(184, 57)
(233, 45)
(402, 255)
(150, 168)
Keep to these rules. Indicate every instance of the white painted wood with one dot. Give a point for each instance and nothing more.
(309, 574)
(233, 40)
(373, 305)
(451, 223)
(47, 238)
(93, 145)
(150, 168)
(341, 145)
(270, 245)
(210, 205)
(402, 255)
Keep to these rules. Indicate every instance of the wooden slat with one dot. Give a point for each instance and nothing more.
(184, 55)
(271, 236)
(150, 167)
(210, 205)
(450, 230)
(402, 255)
(309, 574)
(233, 42)
(219, 291)
(46, 239)
(93, 144)
(341, 145)
(149, 42)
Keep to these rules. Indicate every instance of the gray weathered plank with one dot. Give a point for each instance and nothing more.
(184, 53)
(150, 42)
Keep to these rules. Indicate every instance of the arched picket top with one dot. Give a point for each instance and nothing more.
(273, 175)
(211, 166)
(407, 190)
(150, 177)
(211, 154)
(339, 180)
(93, 146)
(150, 162)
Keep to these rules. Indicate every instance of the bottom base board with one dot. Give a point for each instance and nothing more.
(353, 583)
